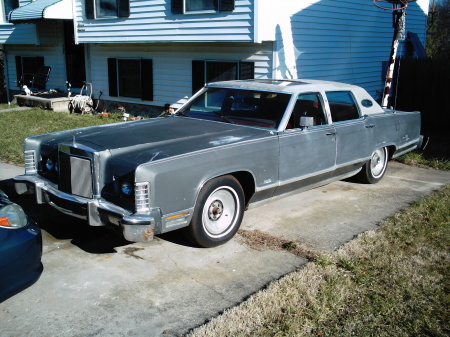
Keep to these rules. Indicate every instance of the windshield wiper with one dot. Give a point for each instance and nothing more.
(229, 120)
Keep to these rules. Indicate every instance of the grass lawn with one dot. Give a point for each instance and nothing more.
(15, 126)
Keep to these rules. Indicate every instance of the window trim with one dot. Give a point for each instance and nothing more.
(179, 7)
(146, 78)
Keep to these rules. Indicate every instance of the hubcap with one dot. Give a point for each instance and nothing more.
(220, 210)
(215, 210)
(377, 162)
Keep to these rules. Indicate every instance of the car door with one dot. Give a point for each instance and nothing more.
(307, 154)
(354, 133)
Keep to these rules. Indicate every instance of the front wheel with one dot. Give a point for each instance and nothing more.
(218, 212)
(374, 169)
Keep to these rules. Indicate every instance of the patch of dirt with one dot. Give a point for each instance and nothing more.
(257, 239)
(130, 251)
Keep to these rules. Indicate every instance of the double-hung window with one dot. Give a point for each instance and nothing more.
(97, 9)
(213, 71)
(130, 78)
(193, 6)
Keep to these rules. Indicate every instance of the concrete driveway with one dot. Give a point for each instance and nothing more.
(94, 283)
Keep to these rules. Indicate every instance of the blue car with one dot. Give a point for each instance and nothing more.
(20, 249)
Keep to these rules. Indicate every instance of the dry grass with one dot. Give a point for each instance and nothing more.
(389, 282)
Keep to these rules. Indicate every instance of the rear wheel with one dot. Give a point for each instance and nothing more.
(374, 169)
(218, 212)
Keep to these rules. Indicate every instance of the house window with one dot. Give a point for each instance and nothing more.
(213, 71)
(187, 6)
(342, 106)
(96, 9)
(27, 65)
(8, 6)
(130, 78)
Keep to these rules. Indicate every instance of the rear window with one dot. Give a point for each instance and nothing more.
(342, 106)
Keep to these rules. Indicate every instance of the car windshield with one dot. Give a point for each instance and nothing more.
(243, 107)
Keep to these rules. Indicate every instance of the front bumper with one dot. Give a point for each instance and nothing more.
(137, 227)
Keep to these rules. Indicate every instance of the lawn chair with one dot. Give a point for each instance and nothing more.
(36, 81)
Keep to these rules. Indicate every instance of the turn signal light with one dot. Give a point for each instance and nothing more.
(4, 222)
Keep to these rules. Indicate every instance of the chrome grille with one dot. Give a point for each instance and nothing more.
(81, 177)
(75, 175)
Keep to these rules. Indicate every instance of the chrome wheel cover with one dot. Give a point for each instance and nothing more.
(220, 211)
(378, 163)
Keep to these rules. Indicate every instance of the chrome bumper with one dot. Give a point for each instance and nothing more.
(136, 227)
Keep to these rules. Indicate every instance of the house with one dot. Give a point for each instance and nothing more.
(146, 53)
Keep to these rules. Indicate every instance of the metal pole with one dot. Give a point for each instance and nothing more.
(399, 34)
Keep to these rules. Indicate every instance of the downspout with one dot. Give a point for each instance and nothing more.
(5, 60)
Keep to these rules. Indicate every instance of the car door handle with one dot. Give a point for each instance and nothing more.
(370, 126)
(331, 133)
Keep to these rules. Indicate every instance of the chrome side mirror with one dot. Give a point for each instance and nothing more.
(306, 121)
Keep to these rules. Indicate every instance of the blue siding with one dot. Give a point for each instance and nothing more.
(18, 34)
(341, 40)
(172, 65)
(152, 21)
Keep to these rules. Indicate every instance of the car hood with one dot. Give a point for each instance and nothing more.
(154, 139)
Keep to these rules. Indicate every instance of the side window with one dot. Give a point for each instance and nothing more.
(27, 65)
(186, 6)
(130, 78)
(107, 9)
(308, 105)
(213, 71)
(342, 106)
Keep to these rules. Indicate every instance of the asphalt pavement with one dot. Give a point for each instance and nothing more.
(95, 283)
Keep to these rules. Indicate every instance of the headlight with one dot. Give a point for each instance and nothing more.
(127, 188)
(12, 216)
(50, 164)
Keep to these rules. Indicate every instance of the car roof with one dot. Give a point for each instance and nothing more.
(291, 86)
(284, 85)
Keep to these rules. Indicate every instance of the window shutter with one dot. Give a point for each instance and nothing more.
(146, 80)
(198, 75)
(123, 8)
(19, 68)
(177, 6)
(112, 77)
(226, 5)
(246, 70)
(89, 9)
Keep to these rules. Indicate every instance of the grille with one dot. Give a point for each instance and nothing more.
(75, 175)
